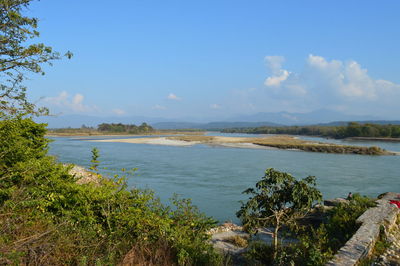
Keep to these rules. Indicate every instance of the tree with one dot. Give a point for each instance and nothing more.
(19, 55)
(95, 159)
(278, 200)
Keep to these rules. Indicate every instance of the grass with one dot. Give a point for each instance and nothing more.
(204, 139)
(238, 241)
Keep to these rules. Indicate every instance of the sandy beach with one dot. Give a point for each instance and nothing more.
(152, 141)
(232, 142)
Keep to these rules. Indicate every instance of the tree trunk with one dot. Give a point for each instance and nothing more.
(276, 240)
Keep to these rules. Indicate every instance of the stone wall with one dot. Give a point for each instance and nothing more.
(363, 241)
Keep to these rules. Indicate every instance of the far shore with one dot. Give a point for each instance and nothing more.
(124, 134)
(374, 139)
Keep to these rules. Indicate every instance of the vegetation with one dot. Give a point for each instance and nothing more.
(47, 218)
(121, 128)
(278, 200)
(279, 195)
(117, 129)
(352, 130)
(104, 129)
(20, 54)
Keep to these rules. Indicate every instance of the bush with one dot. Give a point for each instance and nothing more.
(316, 245)
(47, 218)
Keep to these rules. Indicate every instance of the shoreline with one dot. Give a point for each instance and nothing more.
(124, 134)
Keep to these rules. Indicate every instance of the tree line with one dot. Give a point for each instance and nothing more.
(352, 129)
(119, 127)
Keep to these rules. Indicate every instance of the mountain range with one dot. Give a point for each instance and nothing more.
(249, 120)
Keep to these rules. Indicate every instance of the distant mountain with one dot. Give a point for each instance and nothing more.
(211, 125)
(176, 125)
(253, 120)
(314, 117)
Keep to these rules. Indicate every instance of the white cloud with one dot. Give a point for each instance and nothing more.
(347, 79)
(173, 97)
(322, 78)
(275, 81)
(322, 83)
(75, 104)
(118, 111)
(279, 75)
(215, 106)
(159, 107)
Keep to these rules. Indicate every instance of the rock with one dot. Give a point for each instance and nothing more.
(362, 242)
(83, 176)
(335, 202)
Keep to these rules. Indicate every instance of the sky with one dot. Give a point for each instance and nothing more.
(220, 58)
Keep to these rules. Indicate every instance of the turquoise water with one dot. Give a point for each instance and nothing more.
(214, 177)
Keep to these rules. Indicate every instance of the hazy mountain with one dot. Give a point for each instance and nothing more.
(211, 125)
(253, 120)
(314, 117)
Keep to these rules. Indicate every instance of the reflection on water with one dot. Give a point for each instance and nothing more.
(214, 177)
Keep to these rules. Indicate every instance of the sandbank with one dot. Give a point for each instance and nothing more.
(152, 141)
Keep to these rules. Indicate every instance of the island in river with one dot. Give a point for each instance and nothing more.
(276, 142)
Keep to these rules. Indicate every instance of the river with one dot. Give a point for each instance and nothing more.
(214, 177)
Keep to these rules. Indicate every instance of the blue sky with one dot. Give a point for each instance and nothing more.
(220, 58)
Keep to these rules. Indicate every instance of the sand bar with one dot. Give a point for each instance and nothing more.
(152, 141)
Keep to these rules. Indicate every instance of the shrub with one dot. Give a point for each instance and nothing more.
(47, 218)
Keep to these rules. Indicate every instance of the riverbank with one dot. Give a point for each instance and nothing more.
(270, 142)
(97, 133)
(374, 139)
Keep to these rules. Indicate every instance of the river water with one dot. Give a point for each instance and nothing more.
(214, 177)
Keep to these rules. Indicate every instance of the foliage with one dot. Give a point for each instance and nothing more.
(132, 129)
(95, 162)
(352, 129)
(19, 54)
(316, 243)
(342, 219)
(278, 200)
(47, 218)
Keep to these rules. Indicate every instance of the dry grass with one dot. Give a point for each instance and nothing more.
(159, 253)
(238, 241)
(203, 139)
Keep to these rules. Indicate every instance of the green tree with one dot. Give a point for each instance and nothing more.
(19, 54)
(278, 200)
(95, 159)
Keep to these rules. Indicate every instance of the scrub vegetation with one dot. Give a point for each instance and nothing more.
(286, 204)
(352, 130)
(47, 218)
